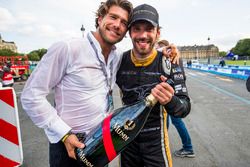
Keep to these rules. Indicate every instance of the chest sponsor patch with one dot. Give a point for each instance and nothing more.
(179, 88)
(178, 77)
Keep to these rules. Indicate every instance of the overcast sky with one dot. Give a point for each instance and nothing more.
(35, 24)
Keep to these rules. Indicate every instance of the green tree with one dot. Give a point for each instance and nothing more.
(7, 52)
(33, 56)
(41, 52)
(242, 47)
(36, 55)
(222, 54)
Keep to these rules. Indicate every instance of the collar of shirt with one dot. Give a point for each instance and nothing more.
(99, 49)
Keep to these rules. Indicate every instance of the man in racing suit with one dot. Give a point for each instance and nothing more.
(143, 68)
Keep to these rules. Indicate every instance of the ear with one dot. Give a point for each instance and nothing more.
(100, 18)
(158, 34)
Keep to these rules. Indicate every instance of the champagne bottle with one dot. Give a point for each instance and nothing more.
(114, 133)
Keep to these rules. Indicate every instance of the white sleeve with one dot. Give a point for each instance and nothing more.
(48, 73)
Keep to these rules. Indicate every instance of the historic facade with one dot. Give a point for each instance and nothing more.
(7, 45)
(198, 52)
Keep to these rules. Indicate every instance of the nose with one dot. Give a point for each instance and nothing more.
(117, 24)
(143, 34)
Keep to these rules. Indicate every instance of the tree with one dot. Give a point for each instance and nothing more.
(222, 54)
(7, 52)
(242, 47)
(36, 55)
(41, 52)
(33, 56)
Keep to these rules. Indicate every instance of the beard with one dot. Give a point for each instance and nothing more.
(143, 46)
(104, 35)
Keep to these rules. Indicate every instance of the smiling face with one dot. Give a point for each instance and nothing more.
(113, 26)
(144, 36)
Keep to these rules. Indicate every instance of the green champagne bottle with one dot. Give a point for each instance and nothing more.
(114, 133)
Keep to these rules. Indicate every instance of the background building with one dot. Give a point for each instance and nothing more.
(7, 45)
(199, 52)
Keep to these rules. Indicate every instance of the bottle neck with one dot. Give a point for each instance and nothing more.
(150, 100)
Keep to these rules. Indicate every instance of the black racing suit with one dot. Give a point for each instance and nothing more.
(150, 147)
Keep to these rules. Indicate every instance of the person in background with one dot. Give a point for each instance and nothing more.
(1, 75)
(162, 43)
(189, 63)
(248, 84)
(7, 77)
(187, 147)
(222, 62)
(141, 73)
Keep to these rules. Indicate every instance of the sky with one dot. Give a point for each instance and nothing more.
(36, 24)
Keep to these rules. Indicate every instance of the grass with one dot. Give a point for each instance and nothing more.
(238, 62)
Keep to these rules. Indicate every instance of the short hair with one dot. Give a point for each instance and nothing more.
(105, 6)
(163, 42)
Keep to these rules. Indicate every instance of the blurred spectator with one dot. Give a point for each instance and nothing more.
(248, 83)
(162, 43)
(187, 147)
(7, 77)
(222, 62)
(189, 63)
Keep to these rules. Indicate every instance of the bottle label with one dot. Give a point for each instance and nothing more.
(129, 125)
(107, 139)
(83, 159)
(120, 132)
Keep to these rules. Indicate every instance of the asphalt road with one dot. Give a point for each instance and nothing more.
(218, 124)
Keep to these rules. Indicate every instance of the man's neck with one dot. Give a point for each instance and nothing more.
(140, 56)
(106, 47)
(143, 60)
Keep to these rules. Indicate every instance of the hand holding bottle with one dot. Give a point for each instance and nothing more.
(163, 92)
(72, 142)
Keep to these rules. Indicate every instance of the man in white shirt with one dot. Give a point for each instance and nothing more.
(82, 73)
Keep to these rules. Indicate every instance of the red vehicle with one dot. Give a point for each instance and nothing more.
(19, 68)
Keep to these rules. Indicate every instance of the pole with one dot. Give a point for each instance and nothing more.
(208, 56)
(82, 29)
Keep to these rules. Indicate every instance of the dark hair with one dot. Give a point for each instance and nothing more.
(105, 6)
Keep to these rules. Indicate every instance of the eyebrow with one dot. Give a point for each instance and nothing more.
(114, 14)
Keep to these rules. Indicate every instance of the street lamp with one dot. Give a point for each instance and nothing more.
(82, 29)
(208, 56)
(196, 51)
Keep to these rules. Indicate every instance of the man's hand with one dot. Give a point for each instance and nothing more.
(171, 52)
(71, 143)
(163, 92)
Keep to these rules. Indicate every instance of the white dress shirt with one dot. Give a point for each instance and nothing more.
(73, 70)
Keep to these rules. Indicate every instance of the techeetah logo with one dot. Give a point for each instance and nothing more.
(129, 125)
(140, 91)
